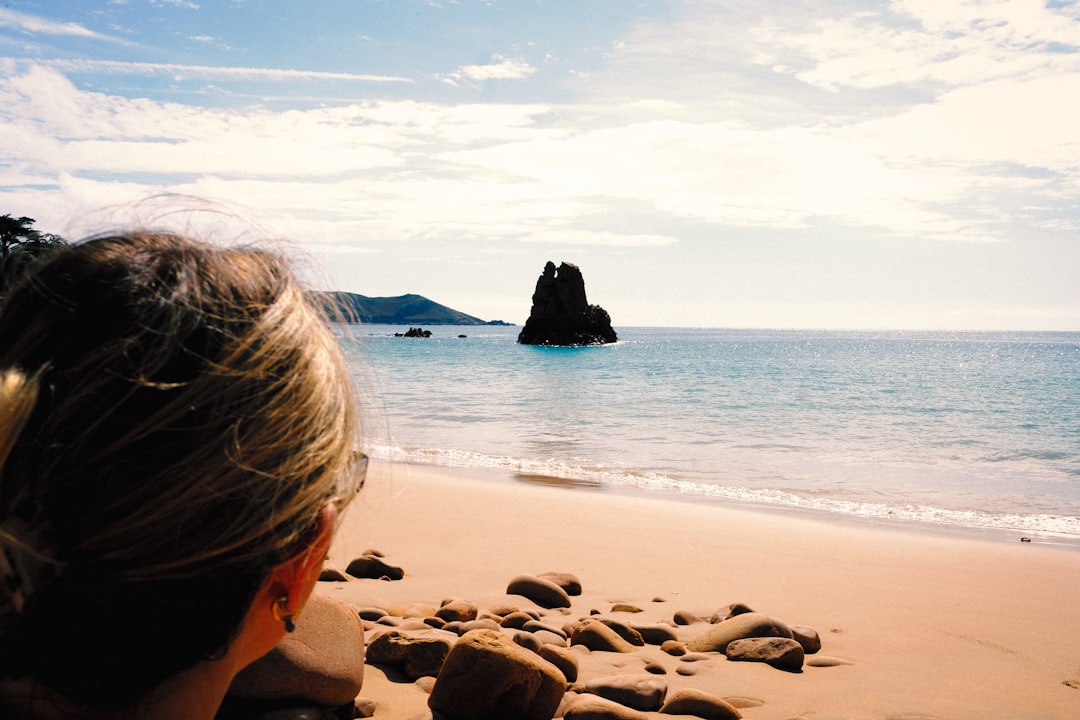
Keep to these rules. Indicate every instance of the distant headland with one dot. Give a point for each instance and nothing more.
(400, 310)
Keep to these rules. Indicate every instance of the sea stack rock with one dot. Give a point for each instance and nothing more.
(560, 313)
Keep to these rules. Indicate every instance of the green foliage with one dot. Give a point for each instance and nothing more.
(21, 246)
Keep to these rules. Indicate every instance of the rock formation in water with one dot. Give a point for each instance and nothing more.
(560, 313)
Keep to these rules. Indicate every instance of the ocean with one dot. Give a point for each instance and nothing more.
(962, 431)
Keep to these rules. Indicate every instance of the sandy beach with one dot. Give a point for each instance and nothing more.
(913, 625)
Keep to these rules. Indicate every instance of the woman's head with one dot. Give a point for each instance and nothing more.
(174, 418)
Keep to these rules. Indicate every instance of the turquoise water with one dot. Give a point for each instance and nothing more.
(977, 430)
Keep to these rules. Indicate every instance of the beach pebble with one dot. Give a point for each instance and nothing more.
(595, 635)
(437, 623)
(516, 620)
(655, 634)
(626, 608)
(542, 592)
(687, 670)
(567, 581)
(527, 640)
(330, 574)
(782, 653)
(594, 707)
(550, 638)
(487, 676)
(458, 611)
(504, 610)
(807, 637)
(372, 613)
(729, 611)
(425, 683)
(695, 657)
(373, 567)
(655, 668)
(460, 628)
(415, 656)
(673, 647)
(537, 626)
(827, 661)
(685, 617)
(561, 658)
(322, 662)
(746, 625)
(643, 692)
(689, 701)
(626, 632)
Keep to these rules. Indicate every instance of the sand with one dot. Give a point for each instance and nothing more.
(934, 625)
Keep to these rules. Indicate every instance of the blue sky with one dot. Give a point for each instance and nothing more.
(830, 164)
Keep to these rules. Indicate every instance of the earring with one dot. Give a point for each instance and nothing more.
(280, 608)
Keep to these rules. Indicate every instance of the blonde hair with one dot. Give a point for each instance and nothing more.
(174, 418)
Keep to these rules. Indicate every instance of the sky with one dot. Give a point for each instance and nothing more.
(834, 164)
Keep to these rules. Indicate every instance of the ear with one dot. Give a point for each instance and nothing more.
(296, 576)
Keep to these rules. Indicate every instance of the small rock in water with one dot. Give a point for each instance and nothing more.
(781, 653)
(542, 592)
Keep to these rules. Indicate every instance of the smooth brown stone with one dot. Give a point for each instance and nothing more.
(321, 662)
(827, 661)
(689, 701)
(595, 635)
(516, 620)
(563, 659)
(330, 574)
(371, 567)
(685, 617)
(807, 637)
(746, 625)
(781, 653)
(567, 581)
(626, 608)
(626, 632)
(673, 647)
(729, 611)
(457, 611)
(643, 692)
(594, 707)
(487, 676)
(655, 633)
(543, 592)
(415, 656)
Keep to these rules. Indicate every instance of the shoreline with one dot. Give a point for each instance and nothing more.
(1009, 535)
(934, 626)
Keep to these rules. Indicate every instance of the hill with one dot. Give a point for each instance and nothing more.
(400, 310)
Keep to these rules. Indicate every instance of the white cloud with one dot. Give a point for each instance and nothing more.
(34, 24)
(504, 69)
(212, 71)
(570, 237)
